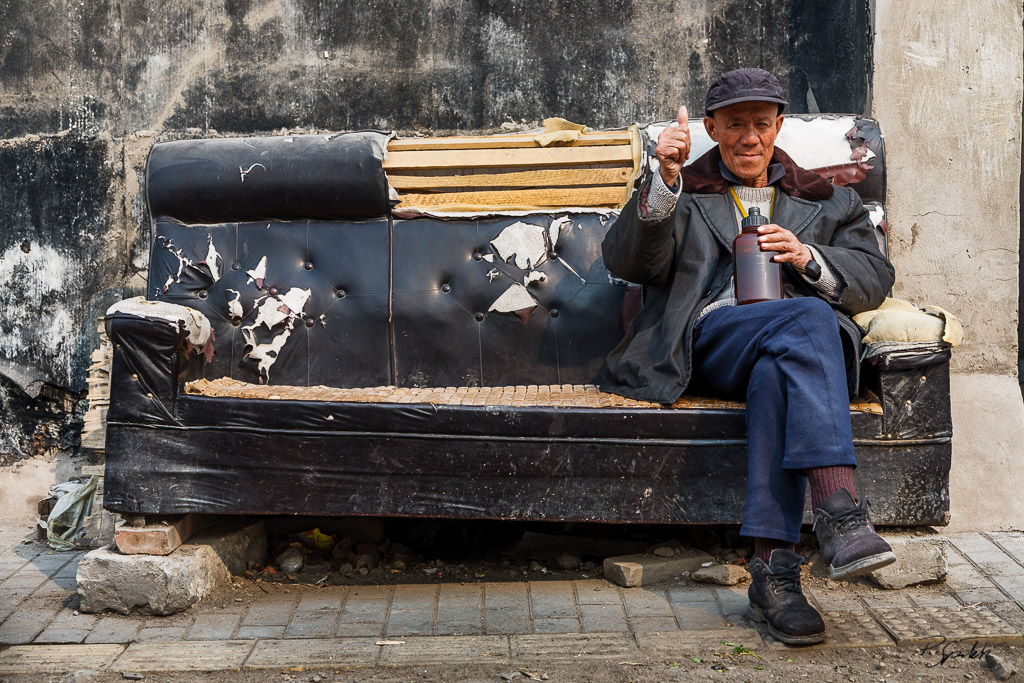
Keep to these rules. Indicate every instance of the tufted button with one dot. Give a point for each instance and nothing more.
(308, 265)
(203, 294)
(310, 322)
(236, 266)
(446, 288)
(553, 255)
(478, 316)
(553, 313)
(273, 291)
(477, 256)
(235, 322)
(340, 294)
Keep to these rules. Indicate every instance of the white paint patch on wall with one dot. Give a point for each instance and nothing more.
(43, 274)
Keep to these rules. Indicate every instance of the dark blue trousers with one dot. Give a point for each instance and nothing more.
(785, 359)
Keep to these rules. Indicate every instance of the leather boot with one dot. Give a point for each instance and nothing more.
(775, 597)
(847, 537)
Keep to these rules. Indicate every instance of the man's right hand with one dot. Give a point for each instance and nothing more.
(673, 149)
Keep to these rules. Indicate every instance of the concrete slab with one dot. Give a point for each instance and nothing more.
(184, 656)
(56, 658)
(314, 653)
(167, 584)
(447, 650)
(571, 647)
(645, 569)
(918, 561)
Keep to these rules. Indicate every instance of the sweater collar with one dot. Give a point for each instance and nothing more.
(775, 173)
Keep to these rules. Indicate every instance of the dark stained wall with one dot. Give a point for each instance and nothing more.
(86, 87)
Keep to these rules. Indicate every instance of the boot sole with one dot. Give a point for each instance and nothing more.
(757, 614)
(862, 566)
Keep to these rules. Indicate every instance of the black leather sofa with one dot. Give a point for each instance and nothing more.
(411, 302)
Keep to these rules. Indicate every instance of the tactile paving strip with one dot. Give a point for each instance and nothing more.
(927, 625)
(576, 395)
(854, 629)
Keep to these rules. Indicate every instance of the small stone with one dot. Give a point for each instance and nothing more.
(731, 556)
(568, 562)
(536, 566)
(918, 561)
(317, 679)
(722, 574)
(398, 564)
(364, 560)
(664, 552)
(1001, 668)
(363, 571)
(880, 665)
(645, 569)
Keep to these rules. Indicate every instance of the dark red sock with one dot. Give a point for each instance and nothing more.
(763, 547)
(825, 481)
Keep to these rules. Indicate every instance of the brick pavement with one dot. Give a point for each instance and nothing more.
(502, 621)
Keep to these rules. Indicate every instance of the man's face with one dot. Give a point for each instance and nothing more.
(745, 133)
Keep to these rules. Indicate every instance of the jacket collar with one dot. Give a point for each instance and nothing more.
(704, 176)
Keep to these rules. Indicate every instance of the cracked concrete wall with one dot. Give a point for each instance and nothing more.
(950, 105)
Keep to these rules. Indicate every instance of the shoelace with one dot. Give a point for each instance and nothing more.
(850, 518)
(786, 577)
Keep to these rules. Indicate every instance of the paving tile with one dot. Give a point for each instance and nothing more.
(638, 624)
(39, 659)
(272, 612)
(325, 598)
(932, 598)
(67, 627)
(689, 594)
(211, 655)
(160, 633)
(1013, 586)
(886, 599)
(317, 624)
(994, 563)
(500, 595)
(25, 578)
(597, 592)
(260, 632)
(56, 589)
(458, 610)
(556, 625)
(966, 576)
(506, 620)
(214, 626)
(51, 562)
(552, 600)
(363, 613)
(275, 654)
(447, 650)
(676, 643)
(971, 542)
(27, 622)
(570, 648)
(732, 600)
(854, 629)
(113, 628)
(407, 622)
(414, 597)
(603, 618)
(644, 602)
(926, 625)
(698, 615)
(969, 596)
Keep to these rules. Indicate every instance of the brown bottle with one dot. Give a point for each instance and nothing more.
(757, 277)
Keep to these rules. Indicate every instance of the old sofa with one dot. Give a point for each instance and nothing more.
(374, 359)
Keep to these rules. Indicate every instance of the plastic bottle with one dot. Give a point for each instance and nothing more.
(757, 277)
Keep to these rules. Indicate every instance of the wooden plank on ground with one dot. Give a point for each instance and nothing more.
(497, 158)
(615, 137)
(555, 197)
(155, 539)
(541, 178)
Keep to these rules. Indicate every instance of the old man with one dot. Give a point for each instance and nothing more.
(794, 360)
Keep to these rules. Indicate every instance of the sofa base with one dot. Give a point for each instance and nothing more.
(276, 471)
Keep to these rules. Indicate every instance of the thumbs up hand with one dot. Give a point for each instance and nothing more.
(673, 148)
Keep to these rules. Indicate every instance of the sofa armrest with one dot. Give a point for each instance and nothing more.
(911, 380)
(157, 347)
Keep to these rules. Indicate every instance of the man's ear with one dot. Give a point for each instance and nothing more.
(709, 126)
(778, 123)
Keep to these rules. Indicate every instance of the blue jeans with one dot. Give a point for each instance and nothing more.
(785, 359)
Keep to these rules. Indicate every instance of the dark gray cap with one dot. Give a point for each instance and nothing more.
(744, 85)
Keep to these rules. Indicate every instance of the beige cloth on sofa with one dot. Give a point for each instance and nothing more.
(897, 320)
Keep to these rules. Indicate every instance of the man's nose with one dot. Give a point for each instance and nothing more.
(750, 136)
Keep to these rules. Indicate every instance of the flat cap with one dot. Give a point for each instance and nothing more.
(744, 85)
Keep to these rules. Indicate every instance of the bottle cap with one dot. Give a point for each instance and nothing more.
(753, 219)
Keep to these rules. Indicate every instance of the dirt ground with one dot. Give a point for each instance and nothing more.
(888, 664)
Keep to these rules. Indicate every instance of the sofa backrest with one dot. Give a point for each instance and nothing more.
(288, 245)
